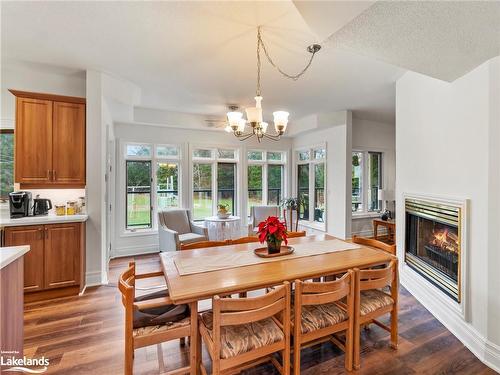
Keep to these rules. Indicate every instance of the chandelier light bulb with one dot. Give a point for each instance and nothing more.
(280, 121)
(234, 118)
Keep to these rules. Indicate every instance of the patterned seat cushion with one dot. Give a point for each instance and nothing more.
(372, 300)
(160, 328)
(243, 338)
(316, 317)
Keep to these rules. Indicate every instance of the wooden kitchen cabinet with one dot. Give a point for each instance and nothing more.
(54, 267)
(50, 140)
(32, 235)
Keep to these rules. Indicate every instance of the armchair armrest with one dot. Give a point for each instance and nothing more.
(199, 230)
(169, 239)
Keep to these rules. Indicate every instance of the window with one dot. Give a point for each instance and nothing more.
(214, 181)
(153, 178)
(139, 207)
(366, 181)
(167, 185)
(202, 190)
(311, 184)
(266, 177)
(254, 186)
(274, 184)
(6, 163)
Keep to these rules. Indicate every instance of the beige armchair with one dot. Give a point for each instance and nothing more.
(175, 227)
(258, 214)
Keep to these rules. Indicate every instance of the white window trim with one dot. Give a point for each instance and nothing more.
(365, 177)
(265, 163)
(311, 162)
(126, 232)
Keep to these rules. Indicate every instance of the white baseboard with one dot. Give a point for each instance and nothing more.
(486, 351)
(133, 250)
(93, 278)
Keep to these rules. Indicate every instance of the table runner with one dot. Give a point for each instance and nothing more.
(208, 263)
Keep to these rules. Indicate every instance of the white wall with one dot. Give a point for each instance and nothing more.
(36, 78)
(381, 137)
(337, 136)
(447, 137)
(134, 243)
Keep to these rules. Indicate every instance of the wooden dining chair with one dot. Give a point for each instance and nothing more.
(138, 335)
(202, 244)
(247, 239)
(242, 333)
(372, 301)
(375, 243)
(296, 234)
(322, 309)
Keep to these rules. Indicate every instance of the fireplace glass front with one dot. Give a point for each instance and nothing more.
(433, 244)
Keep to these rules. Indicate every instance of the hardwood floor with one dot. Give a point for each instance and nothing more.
(84, 335)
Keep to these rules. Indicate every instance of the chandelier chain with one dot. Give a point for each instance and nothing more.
(295, 77)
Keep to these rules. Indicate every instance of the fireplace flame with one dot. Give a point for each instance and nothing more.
(445, 240)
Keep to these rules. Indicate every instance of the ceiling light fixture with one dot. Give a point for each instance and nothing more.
(236, 122)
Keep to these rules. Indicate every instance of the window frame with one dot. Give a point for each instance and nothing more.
(312, 162)
(154, 181)
(265, 173)
(365, 181)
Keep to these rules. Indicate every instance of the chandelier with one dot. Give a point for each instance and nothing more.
(236, 122)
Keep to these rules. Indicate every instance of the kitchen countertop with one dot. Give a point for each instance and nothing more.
(10, 254)
(6, 221)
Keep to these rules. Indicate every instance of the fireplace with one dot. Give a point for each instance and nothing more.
(433, 243)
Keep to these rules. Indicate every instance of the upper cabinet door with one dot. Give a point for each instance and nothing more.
(33, 140)
(68, 134)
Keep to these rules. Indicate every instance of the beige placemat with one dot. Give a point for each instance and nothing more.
(207, 263)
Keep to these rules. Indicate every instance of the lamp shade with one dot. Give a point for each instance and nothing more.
(280, 120)
(385, 195)
(234, 119)
(254, 114)
(241, 125)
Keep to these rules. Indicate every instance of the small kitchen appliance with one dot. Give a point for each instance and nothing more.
(41, 206)
(20, 204)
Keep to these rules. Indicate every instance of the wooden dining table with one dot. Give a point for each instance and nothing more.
(191, 288)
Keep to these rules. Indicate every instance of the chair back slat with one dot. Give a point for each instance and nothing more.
(296, 234)
(242, 240)
(252, 303)
(203, 244)
(250, 316)
(375, 243)
(378, 278)
(318, 293)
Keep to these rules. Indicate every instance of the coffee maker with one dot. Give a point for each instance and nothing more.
(20, 204)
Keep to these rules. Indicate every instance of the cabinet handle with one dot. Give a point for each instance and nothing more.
(53, 175)
(48, 175)
(41, 234)
(46, 233)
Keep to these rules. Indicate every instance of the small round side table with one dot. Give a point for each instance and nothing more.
(223, 229)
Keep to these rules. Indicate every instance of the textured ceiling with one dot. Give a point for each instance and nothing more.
(442, 39)
(199, 56)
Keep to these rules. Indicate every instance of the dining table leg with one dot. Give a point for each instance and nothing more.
(195, 342)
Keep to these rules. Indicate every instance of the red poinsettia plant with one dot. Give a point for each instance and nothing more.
(273, 231)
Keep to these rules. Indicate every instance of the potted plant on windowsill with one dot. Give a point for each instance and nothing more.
(272, 231)
(222, 212)
(291, 212)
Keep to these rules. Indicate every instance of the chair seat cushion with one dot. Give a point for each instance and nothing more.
(243, 338)
(372, 300)
(191, 237)
(163, 315)
(316, 317)
(161, 328)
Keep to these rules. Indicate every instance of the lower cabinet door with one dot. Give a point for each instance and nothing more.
(62, 255)
(32, 235)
